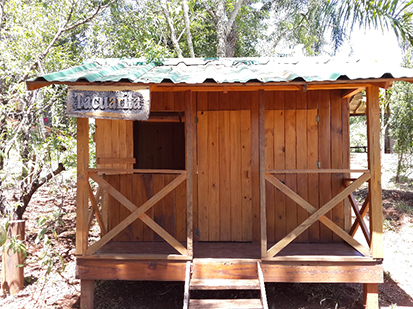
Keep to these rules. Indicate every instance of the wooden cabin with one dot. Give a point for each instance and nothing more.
(241, 175)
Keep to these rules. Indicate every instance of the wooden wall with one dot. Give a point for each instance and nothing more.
(302, 128)
(294, 140)
(114, 138)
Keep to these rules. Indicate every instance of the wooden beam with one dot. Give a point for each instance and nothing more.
(190, 112)
(96, 210)
(319, 258)
(135, 214)
(186, 287)
(115, 160)
(264, 301)
(86, 294)
(108, 269)
(317, 215)
(357, 107)
(363, 211)
(316, 171)
(352, 92)
(226, 88)
(373, 143)
(371, 295)
(82, 184)
(250, 86)
(91, 212)
(384, 84)
(359, 219)
(311, 209)
(118, 171)
(317, 272)
(263, 216)
(138, 257)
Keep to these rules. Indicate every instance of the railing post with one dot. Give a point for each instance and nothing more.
(373, 144)
(263, 216)
(82, 185)
(190, 110)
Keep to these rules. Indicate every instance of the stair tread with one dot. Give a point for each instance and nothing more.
(225, 303)
(224, 284)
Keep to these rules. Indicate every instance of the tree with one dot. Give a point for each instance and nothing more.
(318, 23)
(401, 121)
(36, 38)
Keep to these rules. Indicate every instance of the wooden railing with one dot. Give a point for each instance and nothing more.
(137, 212)
(359, 212)
(319, 214)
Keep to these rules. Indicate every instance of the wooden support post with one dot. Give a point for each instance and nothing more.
(186, 286)
(86, 294)
(263, 217)
(12, 274)
(189, 124)
(82, 185)
(373, 143)
(371, 295)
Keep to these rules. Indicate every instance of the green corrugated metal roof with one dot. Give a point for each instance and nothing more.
(225, 70)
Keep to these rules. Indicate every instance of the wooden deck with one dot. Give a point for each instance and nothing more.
(230, 250)
(298, 262)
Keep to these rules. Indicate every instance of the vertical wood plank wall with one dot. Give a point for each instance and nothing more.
(293, 139)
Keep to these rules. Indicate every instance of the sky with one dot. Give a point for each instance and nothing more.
(374, 45)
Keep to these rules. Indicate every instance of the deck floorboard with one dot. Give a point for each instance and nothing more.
(230, 250)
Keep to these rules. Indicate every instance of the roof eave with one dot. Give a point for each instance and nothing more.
(248, 86)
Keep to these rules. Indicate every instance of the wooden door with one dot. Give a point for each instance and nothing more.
(224, 175)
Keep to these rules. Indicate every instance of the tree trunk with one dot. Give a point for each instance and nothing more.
(174, 40)
(187, 28)
(32, 188)
(231, 40)
(399, 166)
(221, 29)
(13, 275)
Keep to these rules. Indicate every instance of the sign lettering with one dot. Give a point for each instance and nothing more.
(123, 104)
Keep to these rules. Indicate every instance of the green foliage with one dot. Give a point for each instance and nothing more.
(318, 23)
(13, 243)
(358, 132)
(37, 37)
(3, 234)
(48, 226)
(401, 122)
(16, 245)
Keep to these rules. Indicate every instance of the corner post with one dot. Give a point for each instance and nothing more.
(261, 144)
(82, 183)
(86, 294)
(373, 144)
(190, 129)
(371, 295)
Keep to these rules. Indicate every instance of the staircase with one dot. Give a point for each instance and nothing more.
(224, 284)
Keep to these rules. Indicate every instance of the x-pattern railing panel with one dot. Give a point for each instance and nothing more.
(317, 214)
(360, 213)
(136, 212)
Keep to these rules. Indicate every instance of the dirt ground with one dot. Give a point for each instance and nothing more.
(60, 289)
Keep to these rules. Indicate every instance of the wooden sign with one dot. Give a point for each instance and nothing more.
(122, 104)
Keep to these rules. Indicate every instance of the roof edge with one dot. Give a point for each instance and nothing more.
(338, 84)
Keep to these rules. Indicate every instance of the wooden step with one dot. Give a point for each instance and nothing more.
(224, 284)
(225, 303)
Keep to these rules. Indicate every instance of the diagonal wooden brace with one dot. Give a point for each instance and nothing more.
(96, 210)
(136, 212)
(363, 211)
(317, 214)
(92, 212)
(359, 219)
